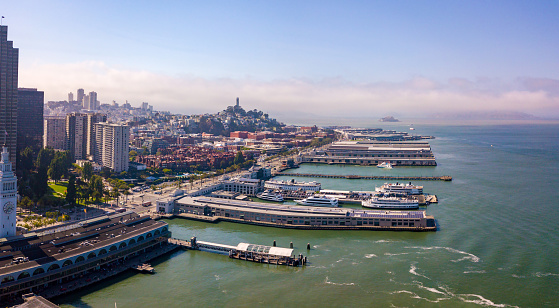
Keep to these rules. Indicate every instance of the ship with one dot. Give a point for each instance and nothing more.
(408, 189)
(390, 203)
(292, 185)
(319, 200)
(270, 195)
(384, 164)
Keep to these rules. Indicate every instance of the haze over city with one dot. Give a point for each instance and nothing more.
(315, 58)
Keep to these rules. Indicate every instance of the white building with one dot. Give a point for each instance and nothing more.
(112, 146)
(245, 186)
(8, 196)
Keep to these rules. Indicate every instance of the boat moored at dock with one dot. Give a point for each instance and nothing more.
(270, 195)
(391, 203)
(385, 165)
(319, 200)
(403, 188)
(292, 185)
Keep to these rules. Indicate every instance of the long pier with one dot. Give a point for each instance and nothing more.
(244, 251)
(372, 177)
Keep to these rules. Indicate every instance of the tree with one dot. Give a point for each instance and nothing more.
(56, 169)
(239, 158)
(71, 191)
(96, 187)
(132, 155)
(44, 158)
(87, 171)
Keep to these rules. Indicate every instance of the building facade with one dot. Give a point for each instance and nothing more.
(8, 93)
(8, 196)
(30, 125)
(54, 132)
(81, 94)
(76, 135)
(112, 146)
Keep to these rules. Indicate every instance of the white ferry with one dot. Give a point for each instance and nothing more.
(319, 200)
(385, 165)
(401, 188)
(390, 203)
(292, 185)
(270, 195)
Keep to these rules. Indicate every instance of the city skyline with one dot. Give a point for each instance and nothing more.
(323, 59)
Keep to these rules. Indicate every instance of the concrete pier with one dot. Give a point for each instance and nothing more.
(372, 177)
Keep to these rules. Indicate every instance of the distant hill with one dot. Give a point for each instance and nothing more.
(389, 119)
(487, 115)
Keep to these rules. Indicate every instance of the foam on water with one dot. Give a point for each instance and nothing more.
(468, 256)
(371, 255)
(327, 281)
(414, 272)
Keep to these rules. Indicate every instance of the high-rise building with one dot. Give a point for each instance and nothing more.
(144, 106)
(8, 196)
(70, 97)
(85, 103)
(81, 94)
(30, 107)
(80, 136)
(8, 93)
(91, 139)
(93, 101)
(54, 132)
(112, 146)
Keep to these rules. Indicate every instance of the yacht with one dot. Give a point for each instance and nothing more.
(390, 203)
(402, 188)
(292, 185)
(319, 200)
(385, 164)
(270, 195)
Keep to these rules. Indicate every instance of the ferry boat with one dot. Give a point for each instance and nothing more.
(292, 185)
(402, 188)
(390, 203)
(319, 200)
(270, 195)
(385, 165)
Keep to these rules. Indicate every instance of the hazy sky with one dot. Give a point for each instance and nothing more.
(329, 58)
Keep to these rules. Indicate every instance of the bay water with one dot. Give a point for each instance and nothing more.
(497, 243)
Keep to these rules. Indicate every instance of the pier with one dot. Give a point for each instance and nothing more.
(372, 177)
(245, 251)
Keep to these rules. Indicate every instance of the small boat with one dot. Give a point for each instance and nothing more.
(384, 164)
(390, 203)
(270, 195)
(319, 200)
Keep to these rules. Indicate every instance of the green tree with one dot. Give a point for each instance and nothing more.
(71, 191)
(96, 187)
(132, 155)
(87, 171)
(239, 158)
(56, 169)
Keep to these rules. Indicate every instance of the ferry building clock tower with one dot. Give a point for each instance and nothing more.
(8, 196)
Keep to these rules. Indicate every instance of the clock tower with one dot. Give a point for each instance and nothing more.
(8, 196)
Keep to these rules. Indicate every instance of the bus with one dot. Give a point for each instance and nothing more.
(120, 210)
(147, 203)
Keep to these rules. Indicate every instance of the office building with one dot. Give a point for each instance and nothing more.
(54, 132)
(81, 94)
(70, 97)
(8, 93)
(30, 125)
(112, 146)
(92, 101)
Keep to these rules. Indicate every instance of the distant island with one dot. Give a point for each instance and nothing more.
(389, 119)
(487, 115)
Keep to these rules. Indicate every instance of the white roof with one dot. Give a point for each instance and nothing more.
(276, 251)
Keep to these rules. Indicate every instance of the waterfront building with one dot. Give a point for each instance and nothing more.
(112, 146)
(245, 186)
(54, 130)
(400, 153)
(304, 217)
(8, 93)
(30, 104)
(8, 196)
(37, 261)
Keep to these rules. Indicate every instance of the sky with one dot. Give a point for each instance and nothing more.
(309, 58)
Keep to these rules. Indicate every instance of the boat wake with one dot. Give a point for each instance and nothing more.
(326, 281)
(467, 256)
(371, 255)
(396, 254)
(538, 274)
(413, 271)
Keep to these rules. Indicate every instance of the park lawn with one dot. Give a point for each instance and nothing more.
(59, 188)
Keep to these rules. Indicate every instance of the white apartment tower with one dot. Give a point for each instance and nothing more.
(54, 132)
(112, 146)
(8, 196)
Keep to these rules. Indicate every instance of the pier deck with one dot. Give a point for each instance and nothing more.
(372, 177)
(244, 251)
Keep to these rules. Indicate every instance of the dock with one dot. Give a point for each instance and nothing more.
(246, 252)
(446, 178)
(144, 268)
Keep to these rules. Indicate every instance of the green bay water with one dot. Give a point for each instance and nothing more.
(497, 244)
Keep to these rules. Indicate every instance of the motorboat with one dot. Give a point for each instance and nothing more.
(319, 200)
(270, 195)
